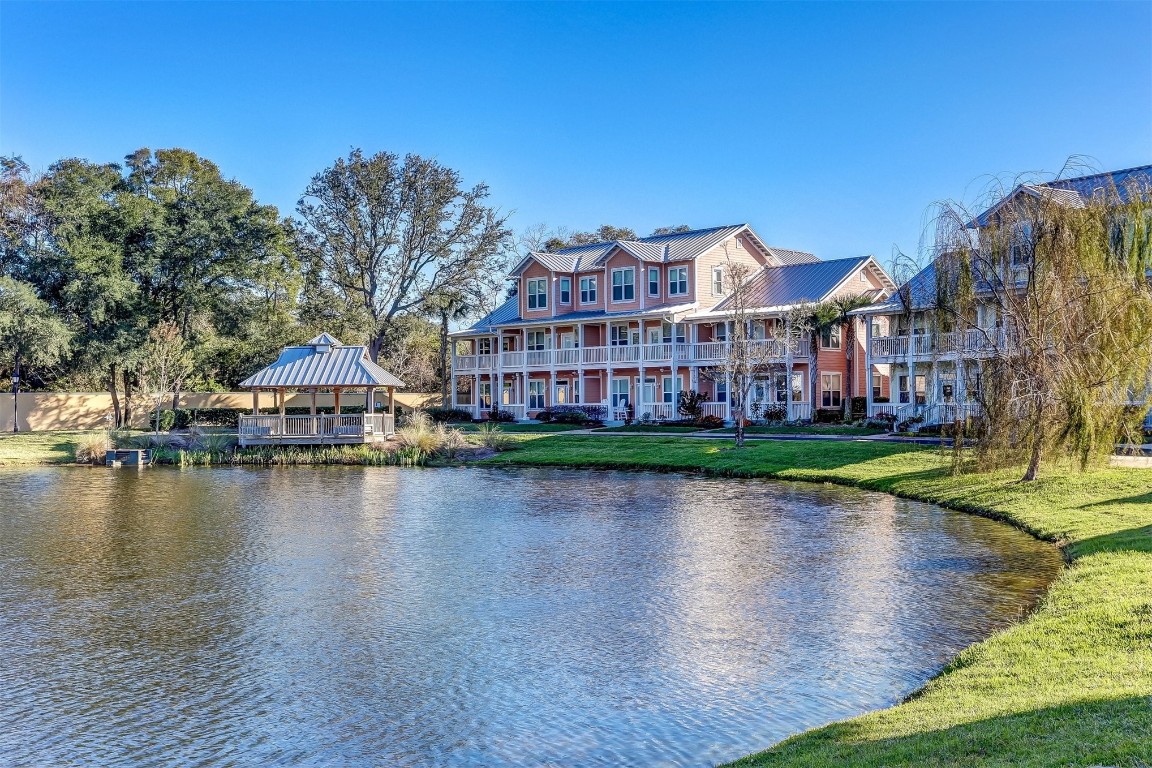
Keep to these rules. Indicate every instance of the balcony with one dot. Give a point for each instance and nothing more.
(630, 355)
(974, 342)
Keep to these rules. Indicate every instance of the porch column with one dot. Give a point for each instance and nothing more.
(868, 365)
(312, 407)
(281, 394)
(727, 397)
(392, 401)
(498, 391)
(336, 401)
(370, 401)
(672, 368)
(255, 402)
(452, 385)
(580, 363)
(788, 368)
(476, 394)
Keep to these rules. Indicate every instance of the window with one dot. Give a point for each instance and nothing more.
(1021, 247)
(486, 394)
(666, 333)
(654, 281)
(903, 389)
(781, 387)
(721, 392)
(620, 392)
(797, 387)
(863, 277)
(536, 395)
(830, 337)
(678, 281)
(537, 341)
(829, 390)
(537, 293)
(667, 388)
(756, 330)
(587, 290)
(876, 392)
(623, 284)
(717, 281)
(619, 335)
(484, 347)
(876, 328)
(720, 331)
(565, 290)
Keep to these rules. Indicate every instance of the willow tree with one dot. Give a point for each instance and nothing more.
(1055, 291)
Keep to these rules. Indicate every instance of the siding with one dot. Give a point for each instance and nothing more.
(718, 256)
(621, 260)
(534, 271)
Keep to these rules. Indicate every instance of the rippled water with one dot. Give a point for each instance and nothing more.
(447, 617)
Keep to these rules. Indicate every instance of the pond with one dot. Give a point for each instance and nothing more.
(453, 617)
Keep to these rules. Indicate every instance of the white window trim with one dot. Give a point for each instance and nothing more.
(839, 388)
(839, 338)
(528, 294)
(623, 285)
(657, 271)
(676, 271)
(717, 272)
(592, 289)
(560, 291)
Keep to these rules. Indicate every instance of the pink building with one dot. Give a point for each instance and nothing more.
(629, 324)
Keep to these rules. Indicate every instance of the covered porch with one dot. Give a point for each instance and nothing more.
(322, 365)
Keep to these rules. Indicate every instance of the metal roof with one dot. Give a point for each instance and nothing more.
(1077, 191)
(796, 283)
(680, 246)
(508, 314)
(308, 366)
(787, 257)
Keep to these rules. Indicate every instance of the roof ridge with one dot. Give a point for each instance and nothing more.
(647, 238)
(1100, 174)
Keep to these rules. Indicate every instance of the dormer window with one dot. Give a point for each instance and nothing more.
(537, 293)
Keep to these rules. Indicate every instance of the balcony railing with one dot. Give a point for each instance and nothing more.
(973, 341)
(319, 426)
(624, 354)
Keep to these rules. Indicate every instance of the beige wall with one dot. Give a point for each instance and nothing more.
(40, 411)
(733, 249)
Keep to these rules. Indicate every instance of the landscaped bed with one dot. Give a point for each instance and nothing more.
(1069, 685)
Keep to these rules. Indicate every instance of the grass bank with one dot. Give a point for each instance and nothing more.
(1070, 685)
(31, 448)
(808, 429)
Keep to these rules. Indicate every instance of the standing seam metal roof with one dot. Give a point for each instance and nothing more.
(305, 366)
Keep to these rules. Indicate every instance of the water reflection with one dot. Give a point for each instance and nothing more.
(470, 617)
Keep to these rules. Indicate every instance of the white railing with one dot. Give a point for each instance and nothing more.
(709, 350)
(972, 340)
(594, 354)
(320, 425)
(882, 409)
(800, 412)
(513, 359)
(657, 352)
(567, 356)
(714, 409)
(625, 354)
(656, 411)
(539, 357)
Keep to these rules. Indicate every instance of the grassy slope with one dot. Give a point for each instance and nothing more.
(1070, 685)
(38, 448)
(809, 429)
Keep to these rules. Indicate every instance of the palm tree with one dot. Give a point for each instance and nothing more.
(837, 313)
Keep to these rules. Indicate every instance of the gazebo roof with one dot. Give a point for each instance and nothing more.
(322, 362)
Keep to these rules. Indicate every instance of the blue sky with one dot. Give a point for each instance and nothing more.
(828, 127)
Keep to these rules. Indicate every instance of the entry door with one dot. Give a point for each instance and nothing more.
(648, 395)
(562, 392)
(568, 340)
(654, 336)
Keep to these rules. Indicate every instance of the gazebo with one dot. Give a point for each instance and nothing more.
(322, 363)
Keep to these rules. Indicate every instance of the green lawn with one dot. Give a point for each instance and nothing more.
(1069, 685)
(670, 429)
(38, 447)
(515, 427)
(808, 429)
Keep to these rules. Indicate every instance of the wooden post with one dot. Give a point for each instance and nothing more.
(370, 403)
(336, 401)
(312, 408)
(255, 402)
(392, 400)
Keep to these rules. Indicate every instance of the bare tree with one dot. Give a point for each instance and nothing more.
(164, 365)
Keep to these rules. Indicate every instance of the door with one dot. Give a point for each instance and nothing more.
(568, 340)
(648, 395)
(562, 392)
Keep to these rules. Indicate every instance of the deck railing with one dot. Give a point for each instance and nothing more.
(320, 425)
(623, 354)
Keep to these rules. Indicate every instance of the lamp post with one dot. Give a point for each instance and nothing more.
(15, 402)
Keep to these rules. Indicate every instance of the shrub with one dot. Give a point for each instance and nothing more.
(420, 438)
(216, 417)
(776, 413)
(91, 448)
(710, 422)
(882, 421)
(827, 416)
(689, 404)
(756, 409)
(167, 419)
(857, 408)
(501, 416)
(448, 414)
(881, 400)
(564, 414)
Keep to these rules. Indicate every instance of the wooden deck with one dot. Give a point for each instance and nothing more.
(353, 429)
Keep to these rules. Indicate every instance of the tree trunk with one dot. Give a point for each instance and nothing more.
(1037, 444)
(127, 399)
(849, 366)
(740, 426)
(444, 359)
(112, 390)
